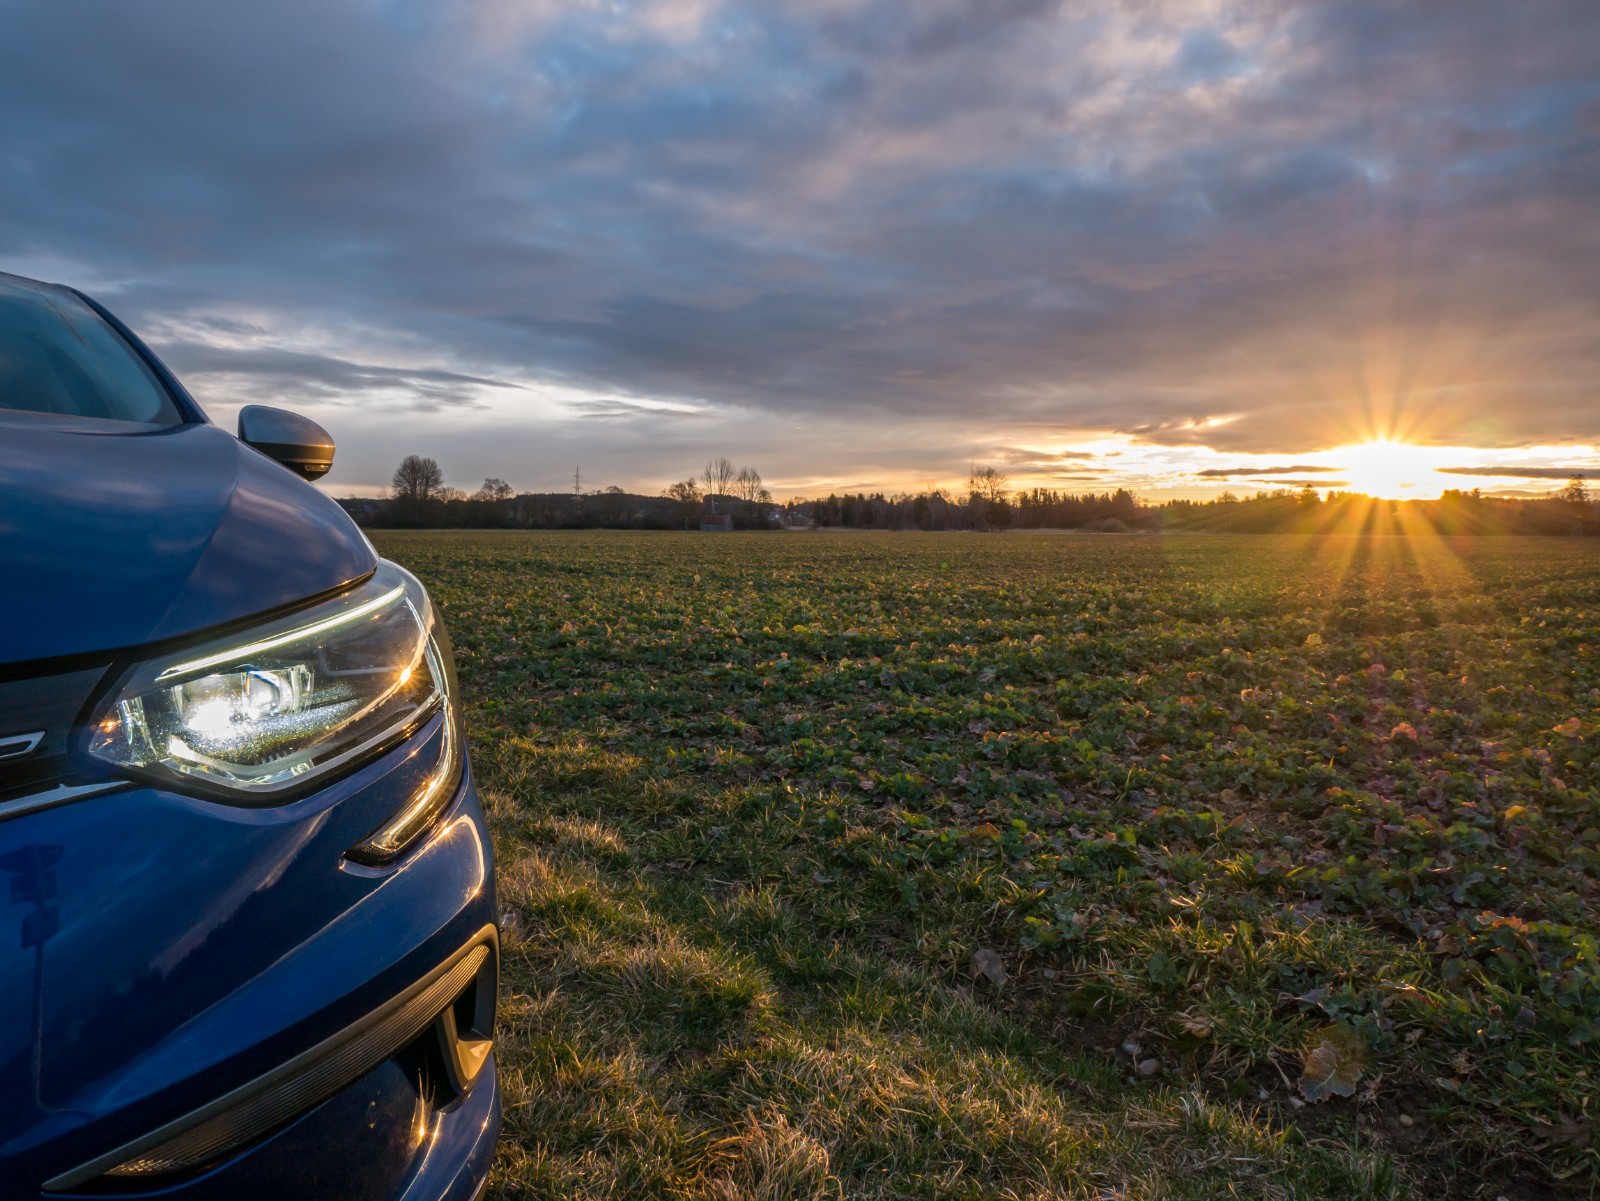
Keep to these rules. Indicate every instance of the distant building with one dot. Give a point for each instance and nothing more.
(363, 509)
(716, 515)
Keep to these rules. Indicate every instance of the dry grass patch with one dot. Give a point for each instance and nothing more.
(772, 1159)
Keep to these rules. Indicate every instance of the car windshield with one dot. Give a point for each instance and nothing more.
(57, 355)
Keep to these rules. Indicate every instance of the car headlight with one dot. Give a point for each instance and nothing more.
(257, 717)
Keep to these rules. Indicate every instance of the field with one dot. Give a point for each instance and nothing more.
(1038, 866)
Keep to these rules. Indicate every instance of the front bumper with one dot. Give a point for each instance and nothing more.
(193, 951)
(376, 1140)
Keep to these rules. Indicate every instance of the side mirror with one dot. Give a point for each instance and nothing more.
(297, 442)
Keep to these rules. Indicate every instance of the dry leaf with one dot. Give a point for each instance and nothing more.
(987, 964)
(1570, 1131)
(1334, 1063)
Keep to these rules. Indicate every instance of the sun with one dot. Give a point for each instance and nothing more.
(1391, 470)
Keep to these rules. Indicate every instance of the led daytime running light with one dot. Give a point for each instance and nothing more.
(233, 653)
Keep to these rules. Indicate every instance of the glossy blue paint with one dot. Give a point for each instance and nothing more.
(158, 950)
(198, 946)
(114, 534)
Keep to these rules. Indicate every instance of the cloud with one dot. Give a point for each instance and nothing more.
(1023, 454)
(612, 409)
(1258, 226)
(1294, 469)
(1525, 473)
(273, 370)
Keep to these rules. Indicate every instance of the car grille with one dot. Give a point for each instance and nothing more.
(37, 717)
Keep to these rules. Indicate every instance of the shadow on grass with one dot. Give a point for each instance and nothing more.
(694, 1009)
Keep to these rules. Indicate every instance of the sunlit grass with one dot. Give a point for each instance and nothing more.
(644, 1056)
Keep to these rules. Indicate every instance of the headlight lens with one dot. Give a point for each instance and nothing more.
(270, 710)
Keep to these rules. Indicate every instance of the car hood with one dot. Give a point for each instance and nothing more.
(114, 534)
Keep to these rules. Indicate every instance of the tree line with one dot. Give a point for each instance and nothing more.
(419, 498)
(987, 505)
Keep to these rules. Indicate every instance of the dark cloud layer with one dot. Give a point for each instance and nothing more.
(1264, 226)
(1292, 469)
(1524, 473)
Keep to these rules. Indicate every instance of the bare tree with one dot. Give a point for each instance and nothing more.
(747, 484)
(747, 487)
(1575, 496)
(687, 494)
(987, 484)
(986, 497)
(718, 478)
(493, 490)
(417, 479)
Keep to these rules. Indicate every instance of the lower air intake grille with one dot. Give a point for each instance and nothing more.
(254, 1110)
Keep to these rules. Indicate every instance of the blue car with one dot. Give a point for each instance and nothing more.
(247, 923)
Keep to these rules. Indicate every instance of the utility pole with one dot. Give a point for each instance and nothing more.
(577, 483)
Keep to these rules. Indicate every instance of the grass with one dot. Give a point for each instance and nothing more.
(1038, 866)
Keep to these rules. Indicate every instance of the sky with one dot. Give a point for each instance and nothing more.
(1172, 245)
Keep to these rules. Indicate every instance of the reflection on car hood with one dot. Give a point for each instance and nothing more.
(113, 534)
